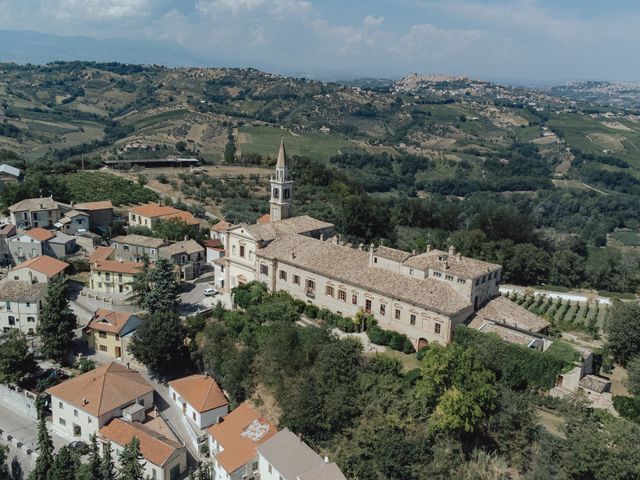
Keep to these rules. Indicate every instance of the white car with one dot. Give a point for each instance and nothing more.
(210, 292)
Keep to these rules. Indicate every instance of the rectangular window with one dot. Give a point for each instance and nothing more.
(383, 309)
(367, 306)
(103, 348)
(436, 328)
(62, 421)
(60, 406)
(28, 304)
(264, 270)
(75, 412)
(412, 319)
(269, 468)
(254, 466)
(329, 291)
(354, 299)
(342, 295)
(296, 279)
(311, 285)
(242, 251)
(283, 275)
(120, 277)
(397, 314)
(102, 334)
(8, 304)
(448, 277)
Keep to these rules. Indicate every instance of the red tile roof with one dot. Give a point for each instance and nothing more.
(221, 226)
(200, 391)
(116, 266)
(101, 253)
(109, 321)
(266, 218)
(104, 205)
(152, 210)
(48, 265)
(40, 234)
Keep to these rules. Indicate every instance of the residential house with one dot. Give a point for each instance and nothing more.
(35, 212)
(81, 405)
(188, 255)
(233, 442)
(74, 222)
(100, 213)
(43, 269)
(219, 231)
(113, 276)
(200, 399)
(62, 245)
(215, 251)
(102, 253)
(286, 457)
(10, 174)
(106, 328)
(133, 248)
(149, 214)
(22, 303)
(164, 458)
(7, 231)
(30, 243)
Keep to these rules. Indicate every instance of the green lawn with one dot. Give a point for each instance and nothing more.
(265, 141)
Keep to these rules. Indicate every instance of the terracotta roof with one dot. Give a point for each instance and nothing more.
(502, 310)
(289, 455)
(118, 267)
(186, 217)
(239, 434)
(44, 203)
(101, 254)
(154, 447)
(351, 266)
(221, 226)
(48, 265)
(152, 210)
(139, 240)
(103, 389)
(200, 391)
(40, 234)
(264, 219)
(104, 205)
(186, 246)
(109, 321)
(19, 291)
(458, 265)
(300, 225)
(213, 243)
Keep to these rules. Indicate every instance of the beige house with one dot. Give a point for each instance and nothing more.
(83, 404)
(106, 328)
(164, 458)
(40, 269)
(113, 276)
(233, 443)
(188, 255)
(149, 214)
(133, 248)
(20, 305)
(35, 212)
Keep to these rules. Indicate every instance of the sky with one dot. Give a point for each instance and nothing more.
(525, 41)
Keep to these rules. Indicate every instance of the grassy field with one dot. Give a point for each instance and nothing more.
(628, 238)
(265, 141)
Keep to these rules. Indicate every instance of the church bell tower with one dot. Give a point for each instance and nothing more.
(281, 189)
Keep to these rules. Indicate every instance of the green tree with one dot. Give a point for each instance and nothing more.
(65, 465)
(156, 288)
(458, 386)
(107, 469)
(623, 331)
(57, 323)
(181, 146)
(4, 467)
(15, 359)
(633, 375)
(175, 229)
(159, 344)
(131, 464)
(44, 462)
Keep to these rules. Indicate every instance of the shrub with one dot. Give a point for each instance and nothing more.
(627, 407)
(311, 311)
(421, 352)
(85, 365)
(394, 340)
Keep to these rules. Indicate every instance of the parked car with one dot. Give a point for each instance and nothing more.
(210, 292)
(79, 446)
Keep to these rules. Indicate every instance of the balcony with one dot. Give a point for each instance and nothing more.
(310, 292)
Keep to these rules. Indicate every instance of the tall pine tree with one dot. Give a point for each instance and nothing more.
(107, 470)
(44, 462)
(57, 323)
(131, 464)
(65, 465)
(156, 288)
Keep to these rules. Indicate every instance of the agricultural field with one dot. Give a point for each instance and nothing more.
(628, 238)
(565, 315)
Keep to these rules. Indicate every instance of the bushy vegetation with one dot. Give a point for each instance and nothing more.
(96, 186)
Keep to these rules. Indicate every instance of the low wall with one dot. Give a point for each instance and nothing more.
(21, 401)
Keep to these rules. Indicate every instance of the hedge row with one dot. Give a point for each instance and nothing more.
(516, 366)
(394, 340)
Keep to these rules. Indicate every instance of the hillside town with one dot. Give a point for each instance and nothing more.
(190, 421)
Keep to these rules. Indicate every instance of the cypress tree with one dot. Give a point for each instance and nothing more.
(131, 464)
(44, 461)
(57, 323)
(95, 462)
(156, 288)
(65, 465)
(107, 470)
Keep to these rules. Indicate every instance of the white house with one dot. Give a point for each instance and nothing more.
(233, 442)
(164, 458)
(83, 404)
(286, 457)
(20, 305)
(40, 269)
(200, 399)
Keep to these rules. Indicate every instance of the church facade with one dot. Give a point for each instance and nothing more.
(423, 295)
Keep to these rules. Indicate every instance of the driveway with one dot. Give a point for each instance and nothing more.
(192, 298)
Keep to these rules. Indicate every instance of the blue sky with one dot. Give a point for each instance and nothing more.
(521, 40)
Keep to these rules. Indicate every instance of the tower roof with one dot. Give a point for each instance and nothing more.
(282, 156)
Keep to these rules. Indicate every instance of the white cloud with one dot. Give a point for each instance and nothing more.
(103, 10)
(371, 21)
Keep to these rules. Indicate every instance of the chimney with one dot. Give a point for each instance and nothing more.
(186, 237)
(361, 246)
(413, 252)
(322, 237)
(326, 459)
(293, 255)
(84, 401)
(206, 374)
(371, 248)
(428, 247)
(452, 250)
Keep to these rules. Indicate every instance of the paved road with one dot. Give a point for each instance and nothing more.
(24, 430)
